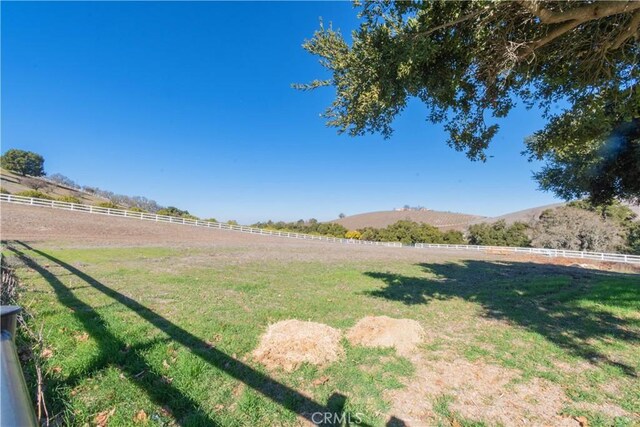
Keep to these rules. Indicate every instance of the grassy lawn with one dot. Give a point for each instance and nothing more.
(170, 332)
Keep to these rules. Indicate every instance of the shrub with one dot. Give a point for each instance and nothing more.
(108, 205)
(499, 234)
(136, 209)
(232, 222)
(173, 211)
(4, 190)
(69, 199)
(353, 234)
(34, 193)
(453, 237)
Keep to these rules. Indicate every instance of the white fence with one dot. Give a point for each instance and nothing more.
(597, 256)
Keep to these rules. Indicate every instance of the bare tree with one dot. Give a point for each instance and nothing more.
(576, 229)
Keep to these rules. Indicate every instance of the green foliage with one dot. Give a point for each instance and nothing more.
(613, 211)
(108, 205)
(69, 199)
(34, 193)
(136, 209)
(410, 232)
(4, 190)
(173, 211)
(633, 238)
(232, 222)
(499, 234)
(469, 62)
(211, 220)
(590, 154)
(310, 227)
(453, 237)
(23, 162)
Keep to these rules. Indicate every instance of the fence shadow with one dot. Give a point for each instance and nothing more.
(184, 409)
(515, 291)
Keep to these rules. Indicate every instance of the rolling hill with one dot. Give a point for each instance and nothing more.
(14, 183)
(443, 220)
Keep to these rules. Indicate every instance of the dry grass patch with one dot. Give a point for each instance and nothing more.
(383, 331)
(290, 343)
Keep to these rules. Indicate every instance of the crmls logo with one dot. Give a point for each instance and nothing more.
(335, 418)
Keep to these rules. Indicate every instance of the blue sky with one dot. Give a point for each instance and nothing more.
(190, 104)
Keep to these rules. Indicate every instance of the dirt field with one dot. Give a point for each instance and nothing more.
(78, 229)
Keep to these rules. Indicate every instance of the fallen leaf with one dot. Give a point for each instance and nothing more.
(455, 423)
(103, 417)
(219, 407)
(165, 365)
(56, 369)
(82, 337)
(583, 421)
(46, 353)
(140, 417)
(165, 411)
(319, 381)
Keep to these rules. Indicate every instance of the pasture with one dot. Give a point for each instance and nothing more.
(160, 329)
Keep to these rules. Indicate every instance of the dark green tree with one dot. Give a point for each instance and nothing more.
(23, 162)
(499, 234)
(469, 62)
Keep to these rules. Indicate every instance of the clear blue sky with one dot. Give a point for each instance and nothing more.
(190, 104)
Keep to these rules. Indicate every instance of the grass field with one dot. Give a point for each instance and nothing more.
(164, 336)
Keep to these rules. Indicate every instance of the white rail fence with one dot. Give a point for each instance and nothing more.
(597, 256)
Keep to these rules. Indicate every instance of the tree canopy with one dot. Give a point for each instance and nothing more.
(23, 162)
(470, 62)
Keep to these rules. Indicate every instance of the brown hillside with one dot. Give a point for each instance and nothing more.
(14, 183)
(443, 220)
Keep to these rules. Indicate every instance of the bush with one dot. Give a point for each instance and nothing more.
(34, 193)
(4, 190)
(499, 234)
(232, 222)
(353, 234)
(108, 205)
(173, 211)
(454, 237)
(136, 209)
(69, 199)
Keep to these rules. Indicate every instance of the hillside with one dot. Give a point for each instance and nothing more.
(443, 220)
(446, 220)
(14, 183)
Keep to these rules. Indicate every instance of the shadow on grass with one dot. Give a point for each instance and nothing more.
(541, 298)
(184, 409)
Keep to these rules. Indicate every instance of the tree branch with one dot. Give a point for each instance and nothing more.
(582, 14)
(630, 31)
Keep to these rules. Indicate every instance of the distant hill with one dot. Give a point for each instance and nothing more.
(14, 183)
(526, 215)
(443, 220)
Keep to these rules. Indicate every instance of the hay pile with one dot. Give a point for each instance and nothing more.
(383, 331)
(290, 343)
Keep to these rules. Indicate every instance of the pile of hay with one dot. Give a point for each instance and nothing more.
(290, 343)
(383, 331)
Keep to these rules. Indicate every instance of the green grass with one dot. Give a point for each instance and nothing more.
(170, 331)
